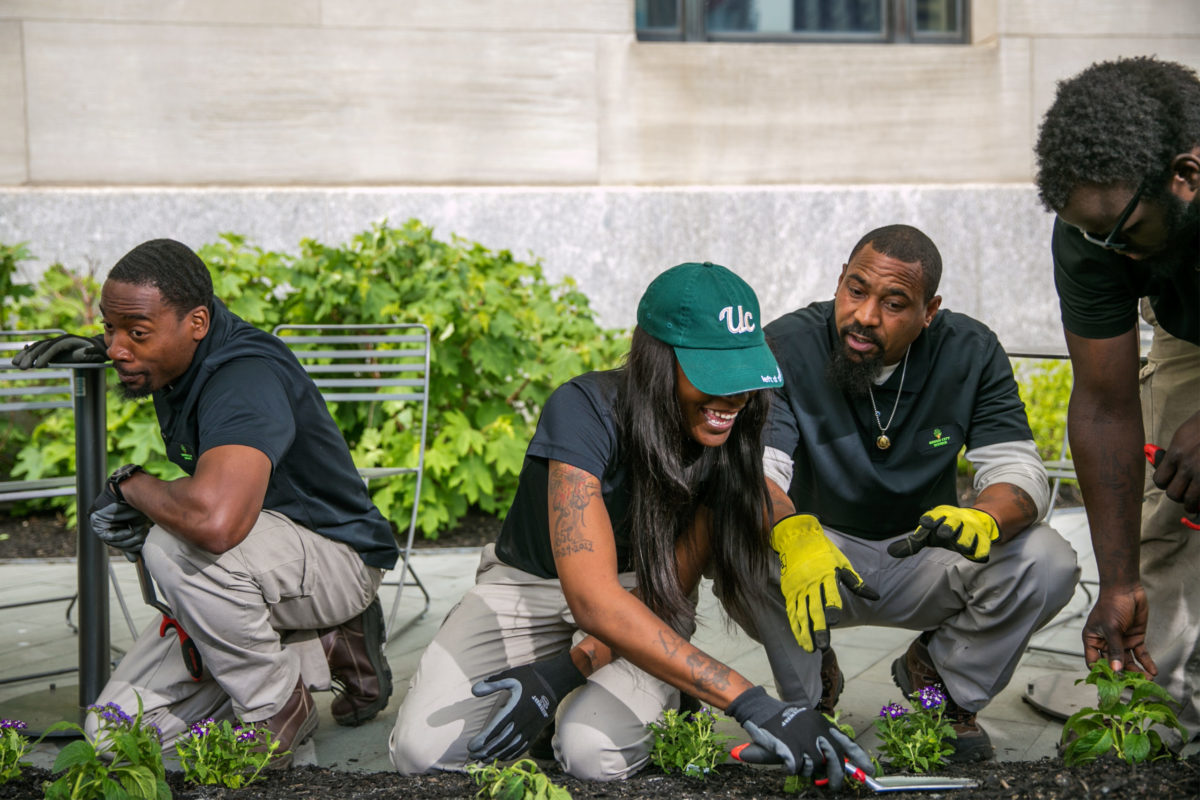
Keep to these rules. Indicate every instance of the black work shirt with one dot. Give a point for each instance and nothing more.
(578, 426)
(958, 391)
(1099, 290)
(245, 387)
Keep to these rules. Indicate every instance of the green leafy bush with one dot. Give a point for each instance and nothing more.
(503, 339)
(687, 743)
(517, 781)
(1124, 727)
(1045, 386)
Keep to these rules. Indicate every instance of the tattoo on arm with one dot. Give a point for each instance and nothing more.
(670, 642)
(1024, 503)
(708, 674)
(570, 492)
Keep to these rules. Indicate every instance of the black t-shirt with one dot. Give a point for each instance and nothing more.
(959, 390)
(578, 427)
(245, 387)
(1099, 290)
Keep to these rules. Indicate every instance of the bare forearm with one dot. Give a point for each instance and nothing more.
(1106, 445)
(1011, 506)
(781, 504)
(633, 632)
(178, 508)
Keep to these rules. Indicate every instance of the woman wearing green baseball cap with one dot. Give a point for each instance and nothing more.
(636, 480)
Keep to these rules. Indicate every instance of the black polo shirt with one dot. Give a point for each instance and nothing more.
(578, 426)
(245, 387)
(1099, 290)
(958, 391)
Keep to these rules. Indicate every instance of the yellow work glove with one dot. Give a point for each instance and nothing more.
(968, 531)
(810, 568)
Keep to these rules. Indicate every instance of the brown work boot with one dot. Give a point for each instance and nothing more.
(832, 681)
(362, 679)
(292, 724)
(912, 672)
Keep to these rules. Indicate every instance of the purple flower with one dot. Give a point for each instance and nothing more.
(931, 697)
(14, 724)
(893, 711)
(202, 728)
(247, 735)
(112, 713)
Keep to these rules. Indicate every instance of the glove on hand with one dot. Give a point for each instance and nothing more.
(798, 737)
(67, 348)
(968, 531)
(810, 568)
(118, 524)
(534, 691)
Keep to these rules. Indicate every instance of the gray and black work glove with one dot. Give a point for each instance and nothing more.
(118, 524)
(534, 692)
(67, 349)
(799, 738)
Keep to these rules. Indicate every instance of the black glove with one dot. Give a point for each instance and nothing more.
(798, 737)
(118, 524)
(534, 691)
(68, 348)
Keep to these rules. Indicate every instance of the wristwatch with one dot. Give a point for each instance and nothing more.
(120, 475)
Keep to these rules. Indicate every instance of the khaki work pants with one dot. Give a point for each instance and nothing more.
(509, 618)
(282, 581)
(1170, 392)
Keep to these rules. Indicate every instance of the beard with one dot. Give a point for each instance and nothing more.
(855, 374)
(1182, 221)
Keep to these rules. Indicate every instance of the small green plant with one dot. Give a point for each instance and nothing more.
(135, 771)
(917, 740)
(687, 743)
(13, 745)
(518, 780)
(1115, 724)
(225, 753)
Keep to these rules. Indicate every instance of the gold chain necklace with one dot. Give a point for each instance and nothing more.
(882, 441)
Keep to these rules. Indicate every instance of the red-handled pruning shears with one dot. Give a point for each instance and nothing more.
(890, 783)
(1154, 454)
(191, 656)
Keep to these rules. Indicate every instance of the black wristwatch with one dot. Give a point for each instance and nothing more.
(120, 475)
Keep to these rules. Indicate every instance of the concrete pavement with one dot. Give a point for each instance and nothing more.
(38, 639)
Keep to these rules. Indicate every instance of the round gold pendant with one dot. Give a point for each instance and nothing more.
(883, 442)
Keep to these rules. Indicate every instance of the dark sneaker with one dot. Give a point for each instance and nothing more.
(292, 724)
(832, 682)
(362, 679)
(912, 672)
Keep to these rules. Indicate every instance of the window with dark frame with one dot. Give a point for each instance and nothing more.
(882, 21)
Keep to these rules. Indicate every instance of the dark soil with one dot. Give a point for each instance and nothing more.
(1047, 779)
(47, 535)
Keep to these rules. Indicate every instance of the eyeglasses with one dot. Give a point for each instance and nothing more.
(1108, 242)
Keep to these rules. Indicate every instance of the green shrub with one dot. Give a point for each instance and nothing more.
(503, 339)
(1123, 721)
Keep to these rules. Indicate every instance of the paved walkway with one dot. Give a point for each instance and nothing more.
(37, 639)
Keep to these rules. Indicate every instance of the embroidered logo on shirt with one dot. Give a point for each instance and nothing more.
(745, 320)
(185, 452)
(939, 440)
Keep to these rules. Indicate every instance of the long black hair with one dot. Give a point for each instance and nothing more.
(673, 477)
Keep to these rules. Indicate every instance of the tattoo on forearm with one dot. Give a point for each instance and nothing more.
(670, 642)
(708, 674)
(1024, 503)
(588, 651)
(570, 492)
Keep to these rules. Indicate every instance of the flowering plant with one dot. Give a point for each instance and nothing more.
(224, 753)
(12, 748)
(136, 769)
(918, 739)
(687, 743)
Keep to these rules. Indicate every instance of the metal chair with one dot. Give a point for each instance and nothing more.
(373, 364)
(22, 394)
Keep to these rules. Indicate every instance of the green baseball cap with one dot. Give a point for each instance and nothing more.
(710, 316)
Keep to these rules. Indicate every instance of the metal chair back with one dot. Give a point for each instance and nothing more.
(376, 365)
(25, 393)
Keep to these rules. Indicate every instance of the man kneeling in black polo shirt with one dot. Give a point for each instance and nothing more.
(882, 391)
(270, 533)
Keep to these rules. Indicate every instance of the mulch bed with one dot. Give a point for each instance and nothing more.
(1047, 779)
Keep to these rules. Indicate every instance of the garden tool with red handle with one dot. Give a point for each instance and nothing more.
(1154, 454)
(191, 655)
